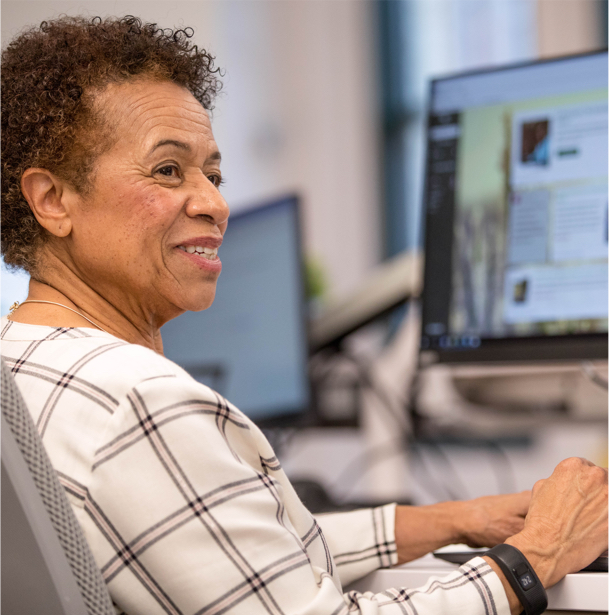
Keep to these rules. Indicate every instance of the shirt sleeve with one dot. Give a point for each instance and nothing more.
(472, 589)
(188, 512)
(360, 541)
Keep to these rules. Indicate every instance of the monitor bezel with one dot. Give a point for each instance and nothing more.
(505, 67)
(517, 349)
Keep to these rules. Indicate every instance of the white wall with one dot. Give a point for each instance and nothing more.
(297, 112)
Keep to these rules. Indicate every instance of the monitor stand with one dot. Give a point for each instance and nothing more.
(563, 387)
(503, 400)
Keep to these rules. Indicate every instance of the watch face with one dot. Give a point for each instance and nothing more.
(526, 581)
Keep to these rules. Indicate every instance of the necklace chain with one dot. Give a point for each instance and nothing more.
(17, 304)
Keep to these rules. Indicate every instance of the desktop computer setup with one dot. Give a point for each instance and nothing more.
(515, 284)
(515, 262)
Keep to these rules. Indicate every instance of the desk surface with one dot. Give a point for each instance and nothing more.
(585, 591)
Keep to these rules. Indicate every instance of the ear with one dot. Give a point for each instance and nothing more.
(49, 199)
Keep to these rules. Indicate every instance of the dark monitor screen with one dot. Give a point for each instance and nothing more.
(516, 213)
(251, 344)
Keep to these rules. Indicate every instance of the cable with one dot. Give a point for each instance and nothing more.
(364, 462)
(432, 481)
(407, 436)
(371, 457)
(454, 477)
(404, 444)
(438, 488)
(385, 450)
(386, 403)
(588, 370)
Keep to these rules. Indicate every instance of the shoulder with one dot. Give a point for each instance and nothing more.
(95, 361)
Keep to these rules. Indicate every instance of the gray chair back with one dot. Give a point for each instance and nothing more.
(47, 566)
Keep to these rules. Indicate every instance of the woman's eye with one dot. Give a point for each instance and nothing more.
(168, 170)
(216, 180)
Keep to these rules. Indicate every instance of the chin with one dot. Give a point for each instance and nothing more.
(188, 296)
(200, 302)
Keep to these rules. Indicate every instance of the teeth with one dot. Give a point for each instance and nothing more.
(208, 253)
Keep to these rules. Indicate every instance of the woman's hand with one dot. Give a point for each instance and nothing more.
(489, 521)
(485, 521)
(566, 527)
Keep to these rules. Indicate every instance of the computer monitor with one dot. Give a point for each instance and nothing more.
(251, 344)
(516, 213)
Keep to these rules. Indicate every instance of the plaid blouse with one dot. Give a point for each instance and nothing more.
(184, 503)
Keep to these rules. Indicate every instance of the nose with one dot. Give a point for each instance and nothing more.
(206, 201)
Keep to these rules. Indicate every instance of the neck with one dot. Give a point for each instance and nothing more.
(64, 286)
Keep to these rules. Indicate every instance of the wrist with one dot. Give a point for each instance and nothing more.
(421, 529)
(514, 603)
(451, 517)
(463, 518)
(520, 575)
(540, 558)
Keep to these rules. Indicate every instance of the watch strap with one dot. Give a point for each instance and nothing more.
(522, 578)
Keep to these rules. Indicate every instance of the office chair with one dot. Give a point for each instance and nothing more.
(47, 566)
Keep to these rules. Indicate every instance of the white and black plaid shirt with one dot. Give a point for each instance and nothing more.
(184, 503)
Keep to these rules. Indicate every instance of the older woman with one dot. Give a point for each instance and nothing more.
(111, 201)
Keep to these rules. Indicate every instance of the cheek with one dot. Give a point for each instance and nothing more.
(127, 222)
(150, 216)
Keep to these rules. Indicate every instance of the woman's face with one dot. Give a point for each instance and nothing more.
(145, 235)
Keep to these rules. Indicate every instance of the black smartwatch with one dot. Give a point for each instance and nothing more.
(521, 576)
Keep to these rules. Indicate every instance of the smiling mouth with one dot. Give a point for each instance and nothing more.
(211, 254)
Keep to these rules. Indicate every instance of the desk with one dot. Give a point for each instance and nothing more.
(583, 593)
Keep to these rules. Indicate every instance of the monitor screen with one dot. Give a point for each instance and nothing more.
(516, 213)
(251, 344)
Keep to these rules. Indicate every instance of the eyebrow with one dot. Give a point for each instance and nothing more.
(178, 144)
(184, 146)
